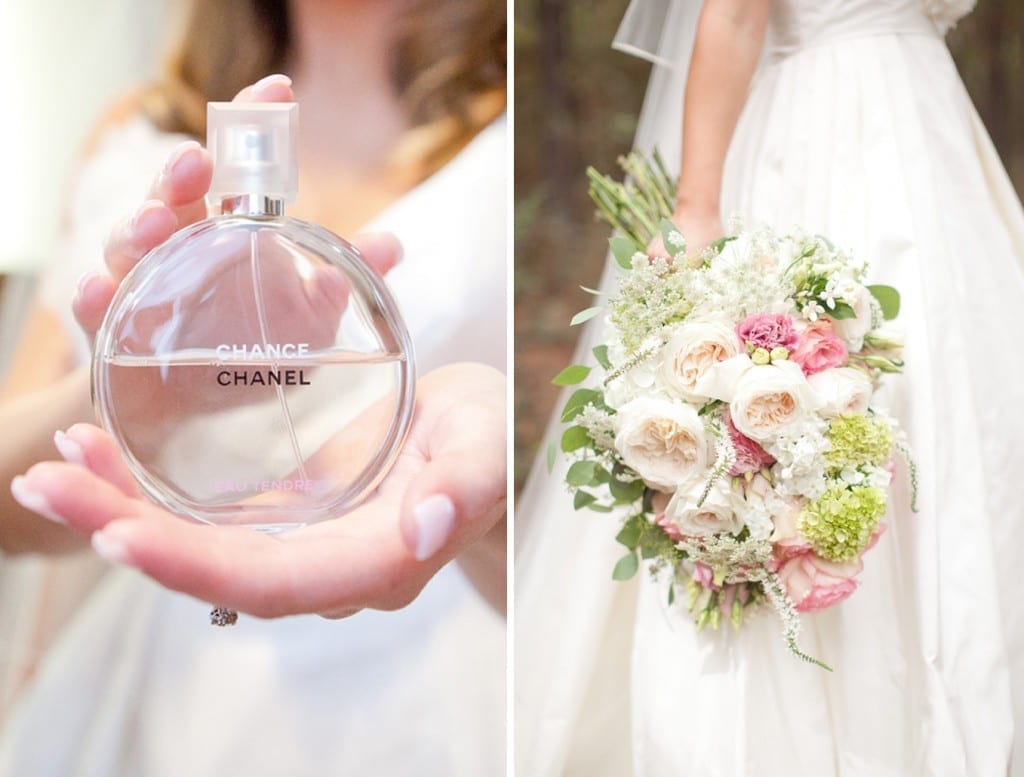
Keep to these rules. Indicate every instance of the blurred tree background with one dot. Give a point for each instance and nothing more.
(576, 103)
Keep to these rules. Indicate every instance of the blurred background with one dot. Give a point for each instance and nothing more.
(576, 103)
(65, 63)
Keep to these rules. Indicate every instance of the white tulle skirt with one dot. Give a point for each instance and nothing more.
(873, 142)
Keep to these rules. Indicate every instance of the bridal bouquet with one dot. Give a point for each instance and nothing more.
(733, 419)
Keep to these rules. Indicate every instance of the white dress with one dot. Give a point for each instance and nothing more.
(857, 127)
(139, 683)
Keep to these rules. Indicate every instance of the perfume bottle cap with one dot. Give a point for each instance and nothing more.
(254, 149)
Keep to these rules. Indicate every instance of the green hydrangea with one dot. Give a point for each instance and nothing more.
(858, 440)
(840, 522)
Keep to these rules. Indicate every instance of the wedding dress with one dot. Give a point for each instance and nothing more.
(857, 127)
(139, 684)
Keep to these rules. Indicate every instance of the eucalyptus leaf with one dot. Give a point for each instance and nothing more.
(575, 404)
(571, 375)
(630, 533)
(675, 243)
(888, 298)
(626, 492)
(626, 567)
(623, 251)
(584, 316)
(583, 499)
(581, 473)
(551, 457)
(601, 354)
(574, 438)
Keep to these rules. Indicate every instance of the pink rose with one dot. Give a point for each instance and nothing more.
(750, 456)
(787, 541)
(768, 330)
(814, 583)
(670, 529)
(819, 349)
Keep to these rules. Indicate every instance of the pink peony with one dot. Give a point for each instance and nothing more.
(768, 330)
(750, 457)
(819, 349)
(814, 583)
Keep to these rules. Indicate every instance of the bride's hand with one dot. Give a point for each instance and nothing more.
(699, 227)
(445, 495)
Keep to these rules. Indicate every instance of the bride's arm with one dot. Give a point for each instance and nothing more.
(730, 36)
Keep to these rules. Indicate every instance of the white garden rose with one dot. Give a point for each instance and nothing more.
(697, 345)
(852, 330)
(842, 391)
(717, 514)
(663, 442)
(770, 398)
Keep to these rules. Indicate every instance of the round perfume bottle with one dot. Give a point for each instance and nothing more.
(253, 369)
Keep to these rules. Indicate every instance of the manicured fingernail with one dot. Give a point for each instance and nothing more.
(178, 154)
(435, 519)
(84, 281)
(111, 548)
(268, 81)
(69, 449)
(144, 208)
(33, 500)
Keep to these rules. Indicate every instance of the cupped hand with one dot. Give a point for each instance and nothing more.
(446, 491)
(177, 199)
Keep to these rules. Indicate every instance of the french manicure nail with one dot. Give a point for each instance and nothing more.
(179, 152)
(70, 450)
(435, 519)
(276, 78)
(33, 500)
(111, 548)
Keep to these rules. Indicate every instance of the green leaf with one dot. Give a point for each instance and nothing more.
(551, 457)
(626, 492)
(670, 231)
(581, 473)
(571, 375)
(574, 438)
(601, 354)
(709, 407)
(626, 567)
(599, 508)
(584, 315)
(630, 533)
(888, 298)
(719, 244)
(841, 311)
(653, 543)
(623, 251)
(671, 594)
(582, 499)
(574, 405)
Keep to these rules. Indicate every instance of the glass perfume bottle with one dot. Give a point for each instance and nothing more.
(253, 369)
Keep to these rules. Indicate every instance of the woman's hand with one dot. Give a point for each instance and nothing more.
(699, 227)
(177, 199)
(445, 493)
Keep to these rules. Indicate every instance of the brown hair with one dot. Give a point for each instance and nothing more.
(448, 65)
